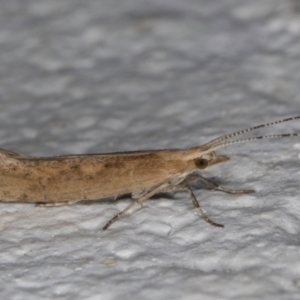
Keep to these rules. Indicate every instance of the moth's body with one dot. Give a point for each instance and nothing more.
(68, 179)
(72, 178)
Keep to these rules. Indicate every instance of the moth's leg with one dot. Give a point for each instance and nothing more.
(215, 186)
(184, 187)
(51, 204)
(138, 194)
(138, 201)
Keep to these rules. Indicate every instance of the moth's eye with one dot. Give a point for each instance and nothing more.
(201, 163)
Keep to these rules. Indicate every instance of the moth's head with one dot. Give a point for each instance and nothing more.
(209, 159)
(204, 156)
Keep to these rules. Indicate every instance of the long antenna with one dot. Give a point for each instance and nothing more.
(230, 135)
(251, 139)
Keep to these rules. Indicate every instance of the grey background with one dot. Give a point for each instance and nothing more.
(119, 75)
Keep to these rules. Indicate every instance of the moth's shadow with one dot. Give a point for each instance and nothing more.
(157, 196)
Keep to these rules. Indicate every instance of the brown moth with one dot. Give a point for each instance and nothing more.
(67, 179)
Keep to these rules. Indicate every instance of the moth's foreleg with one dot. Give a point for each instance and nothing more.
(140, 201)
(215, 186)
(183, 186)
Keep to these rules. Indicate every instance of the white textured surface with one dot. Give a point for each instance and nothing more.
(100, 76)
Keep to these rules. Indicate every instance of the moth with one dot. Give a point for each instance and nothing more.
(67, 179)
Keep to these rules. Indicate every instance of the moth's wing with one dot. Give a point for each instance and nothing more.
(10, 156)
